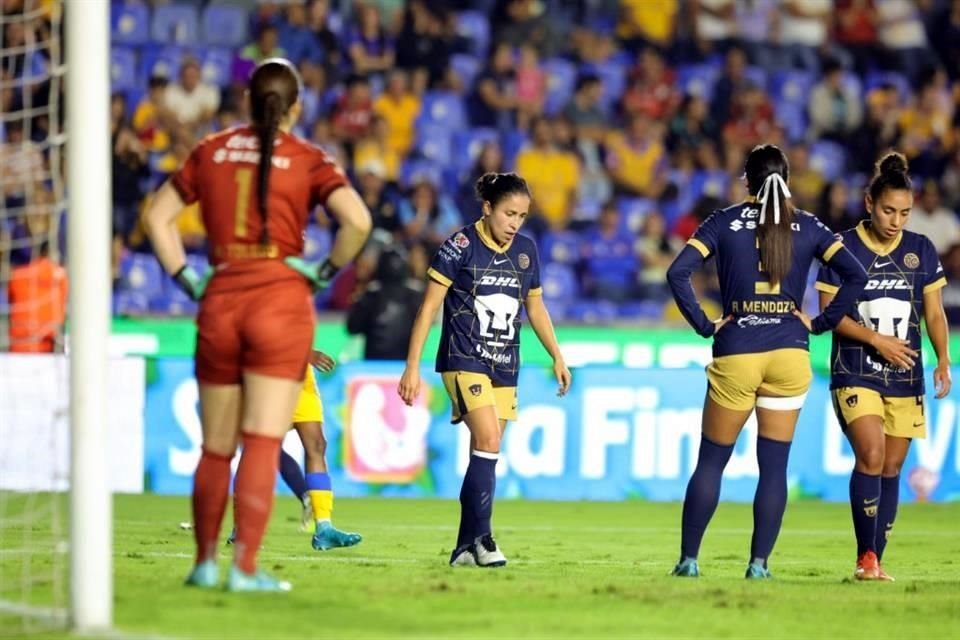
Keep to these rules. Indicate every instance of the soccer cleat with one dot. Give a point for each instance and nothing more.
(329, 537)
(238, 581)
(307, 520)
(868, 567)
(882, 575)
(757, 572)
(462, 556)
(487, 553)
(686, 568)
(205, 575)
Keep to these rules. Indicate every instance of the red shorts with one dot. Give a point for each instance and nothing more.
(266, 330)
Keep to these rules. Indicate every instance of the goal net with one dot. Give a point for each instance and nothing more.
(34, 453)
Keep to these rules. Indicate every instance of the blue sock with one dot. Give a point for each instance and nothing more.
(292, 475)
(864, 499)
(703, 494)
(887, 513)
(770, 501)
(476, 497)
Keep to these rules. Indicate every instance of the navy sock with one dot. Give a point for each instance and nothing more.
(476, 497)
(770, 501)
(887, 513)
(703, 494)
(864, 499)
(292, 475)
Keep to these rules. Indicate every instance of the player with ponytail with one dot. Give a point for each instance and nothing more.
(876, 372)
(257, 186)
(763, 249)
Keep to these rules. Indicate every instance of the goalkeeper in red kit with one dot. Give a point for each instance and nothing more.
(256, 186)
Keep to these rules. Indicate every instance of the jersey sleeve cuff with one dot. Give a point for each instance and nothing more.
(832, 250)
(183, 190)
(438, 277)
(699, 246)
(939, 283)
(535, 292)
(826, 288)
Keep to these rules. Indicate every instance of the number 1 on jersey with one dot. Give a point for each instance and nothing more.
(243, 179)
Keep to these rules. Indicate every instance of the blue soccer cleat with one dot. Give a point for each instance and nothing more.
(757, 571)
(239, 582)
(686, 568)
(328, 537)
(205, 575)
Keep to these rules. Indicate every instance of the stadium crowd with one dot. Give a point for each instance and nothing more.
(629, 119)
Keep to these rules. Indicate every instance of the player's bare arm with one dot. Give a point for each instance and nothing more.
(346, 206)
(543, 327)
(160, 221)
(409, 387)
(938, 333)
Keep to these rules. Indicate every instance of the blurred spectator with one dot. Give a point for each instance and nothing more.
(192, 101)
(944, 31)
(376, 146)
(756, 22)
(391, 12)
(951, 293)
(519, 22)
(880, 130)
(609, 262)
(693, 130)
(927, 127)
(129, 160)
(637, 159)
(494, 101)
(373, 189)
(834, 208)
(152, 120)
(551, 173)
(584, 111)
(315, 96)
(700, 282)
(37, 290)
(385, 312)
(732, 81)
(428, 215)
(22, 168)
(803, 32)
(835, 107)
(686, 225)
(296, 38)
(647, 23)
(930, 218)
(751, 123)
(424, 44)
(322, 136)
(400, 108)
(714, 26)
(855, 29)
(318, 22)
(652, 90)
(266, 45)
(951, 181)
(806, 183)
(354, 111)
(489, 160)
(656, 251)
(903, 36)
(371, 47)
(531, 86)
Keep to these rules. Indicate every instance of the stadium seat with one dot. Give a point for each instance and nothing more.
(129, 23)
(173, 301)
(561, 82)
(175, 23)
(143, 274)
(592, 311)
(224, 25)
(561, 246)
(466, 67)
(792, 86)
(469, 143)
(512, 141)
(697, 79)
(161, 60)
(442, 109)
(613, 75)
(317, 243)
(130, 303)
(559, 282)
(829, 159)
(901, 82)
(434, 143)
(123, 69)
(633, 211)
(709, 183)
(417, 169)
(475, 26)
(217, 65)
(642, 310)
(793, 117)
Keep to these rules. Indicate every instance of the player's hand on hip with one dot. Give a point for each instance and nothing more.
(805, 319)
(718, 324)
(894, 350)
(192, 283)
(563, 377)
(409, 387)
(318, 275)
(322, 361)
(941, 380)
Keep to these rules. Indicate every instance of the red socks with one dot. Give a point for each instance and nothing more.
(253, 496)
(211, 487)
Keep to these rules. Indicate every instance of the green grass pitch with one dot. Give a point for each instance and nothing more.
(579, 570)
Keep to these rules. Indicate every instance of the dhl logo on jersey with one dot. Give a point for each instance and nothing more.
(887, 284)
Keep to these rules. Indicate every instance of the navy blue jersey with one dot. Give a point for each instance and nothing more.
(890, 304)
(481, 311)
(762, 313)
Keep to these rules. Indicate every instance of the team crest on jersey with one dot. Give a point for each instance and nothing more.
(852, 401)
(911, 261)
(461, 240)
(475, 389)
(523, 260)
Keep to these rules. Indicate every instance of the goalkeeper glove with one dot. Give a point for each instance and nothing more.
(191, 282)
(319, 276)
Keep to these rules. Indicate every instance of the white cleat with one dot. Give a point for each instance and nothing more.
(484, 552)
(463, 557)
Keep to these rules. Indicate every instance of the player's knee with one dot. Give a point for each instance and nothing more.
(870, 459)
(489, 442)
(315, 447)
(892, 468)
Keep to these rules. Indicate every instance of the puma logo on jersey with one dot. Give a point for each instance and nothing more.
(894, 284)
(500, 281)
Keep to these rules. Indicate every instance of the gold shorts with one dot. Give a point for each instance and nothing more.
(737, 380)
(469, 391)
(309, 406)
(903, 417)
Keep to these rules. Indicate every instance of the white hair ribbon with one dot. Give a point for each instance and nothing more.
(770, 191)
